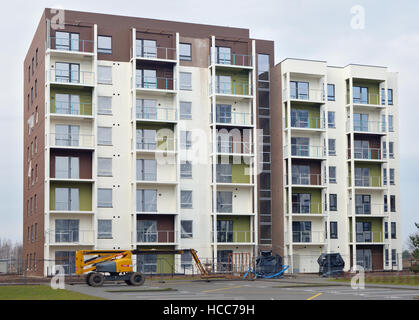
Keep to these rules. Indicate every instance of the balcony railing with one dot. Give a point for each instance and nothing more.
(307, 208)
(236, 118)
(76, 141)
(227, 147)
(156, 237)
(71, 77)
(367, 236)
(156, 83)
(307, 123)
(367, 126)
(232, 88)
(150, 52)
(232, 59)
(305, 151)
(367, 181)
(71, 108)
(370, 98)
(233, 236)
(366, 153)
(307, 237)
(305, 179)
(370, 209)
(156, 113)
(71, 45)
(71, 236)
(157, 144)
(310, 95)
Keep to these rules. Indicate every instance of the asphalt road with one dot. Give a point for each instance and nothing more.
(241, 290)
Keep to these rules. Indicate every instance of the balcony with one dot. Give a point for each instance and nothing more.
(368, 209)
(311, 208)
(233, 118)
(306, 180)
(73, 109)
(156, 114)
(366, 99)
(154, 53)
(306, 123)
(71, 237)
(153, 145)
(310, 96)
(367, 182)
(232, 89)
(155, 84)
(232, 60)
(366, 154)
(305, 151)
(73, 78)
(234, 148)
(367, 237)
(233, 237)
(370, 127)
(156, 237)
(66, 141)
(71, 46)
(307, 237)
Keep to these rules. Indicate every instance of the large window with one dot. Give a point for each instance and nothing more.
(146, 48)
(186, 229)
(66, 231)
(67, 135)
(104, 44)
(67, 167)
(67, 41)
(104, 228)
(104, 75)
(225, 173)
(393, 230)
(224, 231)
(263, 67)
(223, 55)
(67, 199)
(224, 202)
(223, 113)
(147, 263)
(361, 122)
(362, 149)
(146, 139)
(104, 198)
(147, 231)
(332, 175)
(67, 104)
(186, 199)
(301, 174)
(301, 203)
(104, 136)
(104, 167)
(299, 118)
(223, 84)
(301, 231)
(300, 147)
(360, 95)
(363, 232)
(393, 203)
(146, 109)
(67, 72)
(362, 204)
(146, 170)
(185, 79)
(104, 105)
(185, 51)
(362, 177)
(146, 78)
(67, 260)
(146, 200)
(299, 90)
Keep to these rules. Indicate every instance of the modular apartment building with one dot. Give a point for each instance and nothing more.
(335, 131)
(142, 133)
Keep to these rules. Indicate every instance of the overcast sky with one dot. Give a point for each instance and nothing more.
(311, 29)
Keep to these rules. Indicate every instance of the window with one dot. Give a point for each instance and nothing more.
(67, 167)
(301, 203)
(332, 175)
(146, 200)
(331, 119)
(67, 104)
(36, 115)
(223, 113)
(363, 232)
(385, 203)
(300, 147)
(223, 55)
(390, 124)
(263, 67)
(393, 203)
(67, 260)
(363, 204)
(332, 147)
(333, 198)
(223, 84)
(185, 79)
(331, 92)
(66, 231)
(393, 230)
(36, 56)
(394, 257)
(104, 167)
(66, 199)
(224, 202)
(186, 170)
(147, 263)
(104, 44)
(67, 135)
(67, 41)
(36, 88)
(67, 72)
(385, 176)
(186, 199)
(386, 230)
(104, 74)
(361, 122)
(185, 110)
(186, 140)
(104, 228)
(360, 95)
(104, 198)
(104, 105)
(301, 231)
(392, 181)
(186, 261)
(146, 139)
(362, 177)
(333, 230)
(146, 170)
(148, 79)
(185, 51)
(147, 48)
(186, 229)
(147, 109)
(29, 74)
(33, 65)
(147, 231)
(391, 150)
(104, 136)
(301, 174)
(225, 173)
(299, 90)
(390, 96)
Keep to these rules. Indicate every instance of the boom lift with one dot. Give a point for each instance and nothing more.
(116, 265)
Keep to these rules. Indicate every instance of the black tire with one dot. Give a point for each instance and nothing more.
(136, 279)
(96, 279)
(87, 278)
(128, 282)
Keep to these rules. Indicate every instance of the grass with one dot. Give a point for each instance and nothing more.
(40, 292)
(392, 280)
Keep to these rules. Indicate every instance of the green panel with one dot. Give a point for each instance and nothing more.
(241, 228)
(375, 171)
(85, 98)
(313, 114)
(240, 77)
(85, 194)
(373, 90)
(315, 196)
(165, 262)
(239, 173)
(376, 228)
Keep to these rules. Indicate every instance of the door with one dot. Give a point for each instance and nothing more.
(364, 258)
(147, 231)
(225, 231)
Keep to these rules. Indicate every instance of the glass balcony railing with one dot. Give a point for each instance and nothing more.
(305, 179)
(151, 52)
(77, 141)
(317, 95)
(307, 236)
(71, 45)
(370, 209)
(71, 236)
(232, 59)
(233, 236)
(156, 113)
(309, 151)
(367, 236)
(227, 147)
(236, 118)
(370, 98)
(368, 181)
(71, 108)
(74, 77)
(367, 126)
(157, 83)
(307, 208)
(307, 123)
(156, 236)
(232, 88)
(156, 144)
(366, 153)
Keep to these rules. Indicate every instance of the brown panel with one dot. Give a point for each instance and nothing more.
(377, 256)
(85, 161)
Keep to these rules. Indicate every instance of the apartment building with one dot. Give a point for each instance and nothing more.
(142, 133)
(335, 130)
